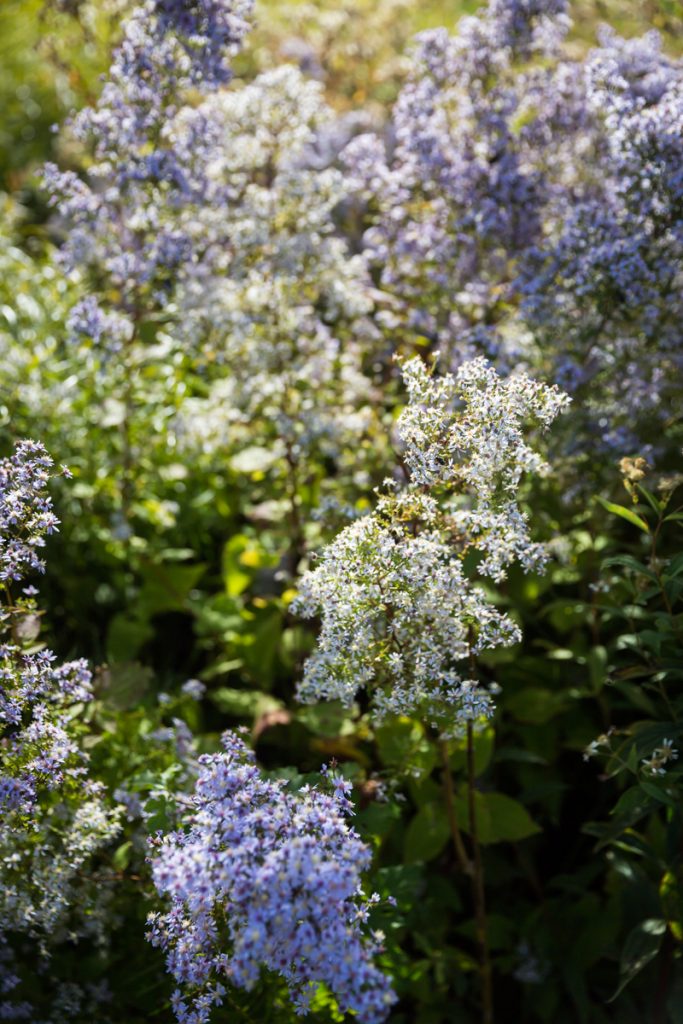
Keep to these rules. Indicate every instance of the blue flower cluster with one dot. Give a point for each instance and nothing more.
(52, 817)
(265, 879)
(530, 209)
(26, 513)
(123, 221)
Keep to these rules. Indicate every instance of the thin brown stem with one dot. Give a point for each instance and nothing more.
(663, 982)
(449, 796)
(485, 973)
(477, 876)
(297, 537)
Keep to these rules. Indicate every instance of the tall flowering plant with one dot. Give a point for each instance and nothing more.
(128, 234)
(400, 612)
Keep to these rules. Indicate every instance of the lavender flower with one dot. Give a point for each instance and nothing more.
(26, 513)
(52, 817)
(262, 878)
(530, 211)
(123, 220)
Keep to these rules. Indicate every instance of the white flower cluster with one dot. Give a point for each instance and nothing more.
(660, 759)
(279, 305)
(466, 431)
(50, 891)
(399, 614)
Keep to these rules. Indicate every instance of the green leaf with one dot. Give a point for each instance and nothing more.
(404, 747)
(629, 562)
(642, 946)
(167, 587)
(427, 834)
(236, 573)
(499, 818)
(260, 651)
(596, 661)
(330, 718)
(402, 881)
(625, 513)
(243, 703)
(671, 896)
(657, 793)
(483, 751)
(655, 504)
(121, 858)
(125, 637)
(125, 684)
(536, 705)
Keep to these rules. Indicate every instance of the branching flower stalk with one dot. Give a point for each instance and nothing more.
(401, 614)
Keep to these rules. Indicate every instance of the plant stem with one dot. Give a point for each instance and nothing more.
(663, 982)
(449, 796)
(297, 540)
(477, 876)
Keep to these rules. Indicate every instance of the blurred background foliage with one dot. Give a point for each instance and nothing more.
(584, 858)
(51, 54)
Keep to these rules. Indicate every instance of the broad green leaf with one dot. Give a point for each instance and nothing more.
(536, 705)
(427, 834)
(125, 684)
(243, 703)
(403, 746)
(167, 587)
(125, 637)
(402, 881)
(237, 574)
(330, 718)
(261, 648)
(121, 858)
(499, 817)
(376, 820)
